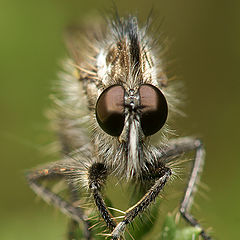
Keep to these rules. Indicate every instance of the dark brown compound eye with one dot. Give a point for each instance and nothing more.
(154, 109)
(110, 110)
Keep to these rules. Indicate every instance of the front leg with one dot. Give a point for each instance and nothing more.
(144, 203)
(97, 175)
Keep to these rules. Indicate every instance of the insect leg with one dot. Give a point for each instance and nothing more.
(178, 147)
(56, 170)
(144, 203)
(97, 178)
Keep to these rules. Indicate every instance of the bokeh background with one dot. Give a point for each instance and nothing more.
(207, 37)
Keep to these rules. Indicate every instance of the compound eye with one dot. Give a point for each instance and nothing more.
(154, 109)
(110, 110)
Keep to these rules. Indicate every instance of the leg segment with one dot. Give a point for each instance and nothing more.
(144, 203)
(97, 178)
(178, 147)
(58, 170)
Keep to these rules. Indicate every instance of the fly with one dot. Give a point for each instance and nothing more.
(115, 85)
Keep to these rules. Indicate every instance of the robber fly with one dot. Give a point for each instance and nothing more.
(113, 96)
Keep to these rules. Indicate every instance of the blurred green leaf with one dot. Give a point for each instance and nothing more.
(169, 229)
(171, 232)
(188, 233)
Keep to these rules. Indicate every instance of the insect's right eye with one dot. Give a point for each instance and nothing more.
(110, 110)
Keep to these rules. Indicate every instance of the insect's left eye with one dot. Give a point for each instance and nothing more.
(154, 109)
(110, 110)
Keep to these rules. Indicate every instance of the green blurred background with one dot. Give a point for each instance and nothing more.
(207, 37)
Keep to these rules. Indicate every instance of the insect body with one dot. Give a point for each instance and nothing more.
(116, 87)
